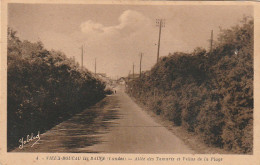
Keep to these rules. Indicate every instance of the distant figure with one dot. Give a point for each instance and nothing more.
(115, 91)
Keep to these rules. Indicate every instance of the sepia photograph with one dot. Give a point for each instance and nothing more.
(130, 79)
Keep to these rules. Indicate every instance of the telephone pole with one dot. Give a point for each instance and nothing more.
(128, 77)
(141, 64)
(133, 70)
(82, 53)
(95, 66)
(211, 41)
(160, 23)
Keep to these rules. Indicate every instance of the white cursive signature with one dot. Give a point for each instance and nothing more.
(28, 139)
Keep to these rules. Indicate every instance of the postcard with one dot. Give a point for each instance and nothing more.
(129, 82)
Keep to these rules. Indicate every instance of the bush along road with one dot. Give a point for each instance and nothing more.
(114, 125)
(208, 93)
(44, 88)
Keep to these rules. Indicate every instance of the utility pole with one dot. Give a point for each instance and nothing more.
(95, 66)
(160, 23)
(73, 59)
(128, 77)
(141, 64)
(211, 41)
(133, 70)
(82, 53)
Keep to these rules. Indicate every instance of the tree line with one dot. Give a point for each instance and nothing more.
(44, 87)
(208, 93)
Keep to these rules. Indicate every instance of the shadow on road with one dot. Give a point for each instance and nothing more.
(80, 131)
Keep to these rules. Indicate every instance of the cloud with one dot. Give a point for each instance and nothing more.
(132, 20)
(116, 47)
(91, 26)
(129, 22)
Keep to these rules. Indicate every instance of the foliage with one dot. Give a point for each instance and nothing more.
(209, 93)
(44, 88)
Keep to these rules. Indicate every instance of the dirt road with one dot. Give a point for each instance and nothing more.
(114, 125)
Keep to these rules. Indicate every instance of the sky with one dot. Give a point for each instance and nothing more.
(115, 35)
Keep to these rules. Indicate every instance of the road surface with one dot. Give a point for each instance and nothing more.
(114, 125)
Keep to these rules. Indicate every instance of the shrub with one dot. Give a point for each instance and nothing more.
(44, 88)
(211, 93)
